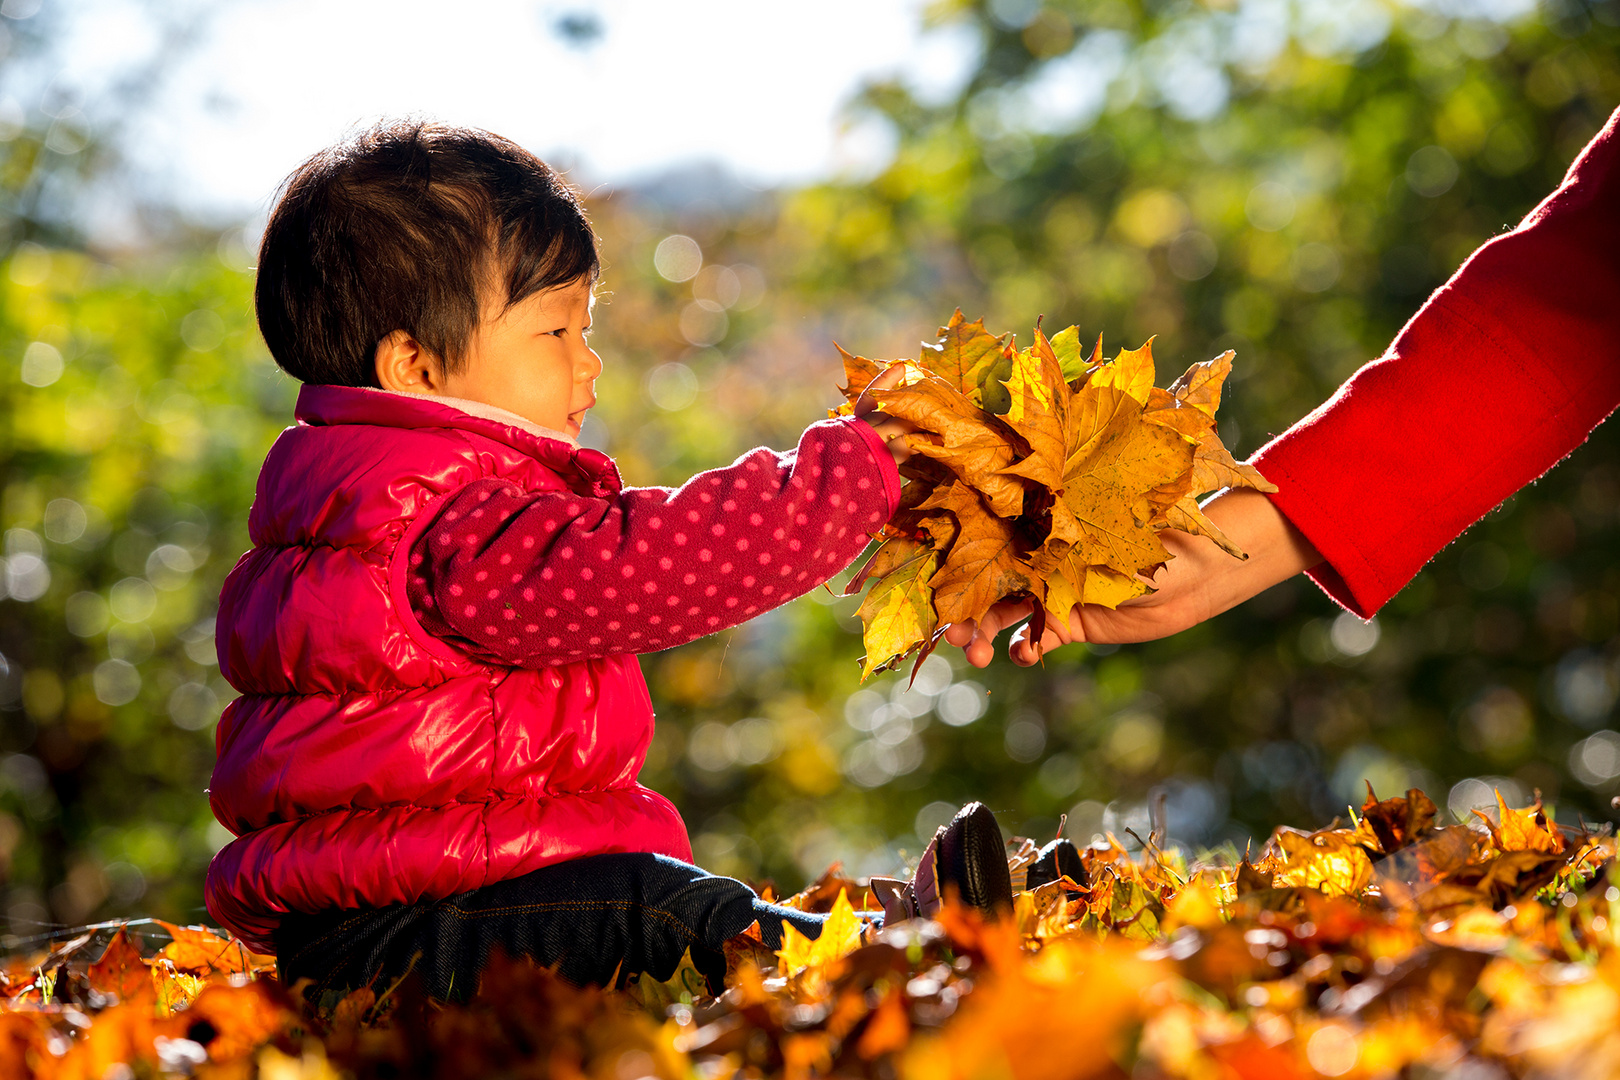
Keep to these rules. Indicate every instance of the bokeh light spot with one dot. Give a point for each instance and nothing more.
(678, 258)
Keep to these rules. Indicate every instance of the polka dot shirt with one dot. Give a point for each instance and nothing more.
(542, 578)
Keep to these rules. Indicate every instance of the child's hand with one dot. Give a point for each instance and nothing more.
(891, 429)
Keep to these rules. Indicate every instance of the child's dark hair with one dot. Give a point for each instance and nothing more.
(410, 226)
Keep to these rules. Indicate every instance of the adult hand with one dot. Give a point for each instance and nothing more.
(891, 429)
(1199, 581)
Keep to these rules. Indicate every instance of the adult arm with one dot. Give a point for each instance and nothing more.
(550, 578)
(1505, 370)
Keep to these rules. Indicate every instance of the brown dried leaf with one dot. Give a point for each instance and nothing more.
(985, 562)
(1186, 516)
(1215, 468)
(967, 443)
(1400, 822)
(1200, 385)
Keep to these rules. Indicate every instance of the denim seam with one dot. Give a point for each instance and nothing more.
(574, 905)
(339, 931)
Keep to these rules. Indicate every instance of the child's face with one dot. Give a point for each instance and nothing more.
(533, 359)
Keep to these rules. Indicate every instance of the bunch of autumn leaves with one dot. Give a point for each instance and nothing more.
(1036, 474)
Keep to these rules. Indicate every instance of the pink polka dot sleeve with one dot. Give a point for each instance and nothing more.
(535, 579)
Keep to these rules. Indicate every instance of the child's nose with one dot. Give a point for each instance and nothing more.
(591, 366)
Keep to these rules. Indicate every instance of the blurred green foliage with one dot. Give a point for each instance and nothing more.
(1285, 179)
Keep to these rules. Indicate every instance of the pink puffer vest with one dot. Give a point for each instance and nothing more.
(368, 763)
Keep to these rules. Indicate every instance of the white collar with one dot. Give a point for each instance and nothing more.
(485, 411)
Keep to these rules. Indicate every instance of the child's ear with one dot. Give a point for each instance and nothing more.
(405, 366)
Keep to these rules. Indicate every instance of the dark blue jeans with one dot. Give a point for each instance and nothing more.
(592, 917)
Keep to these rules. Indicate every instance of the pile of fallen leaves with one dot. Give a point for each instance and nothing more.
(1389, 946)
(1037, 474)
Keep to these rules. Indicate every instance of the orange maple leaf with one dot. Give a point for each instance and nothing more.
(121, 969)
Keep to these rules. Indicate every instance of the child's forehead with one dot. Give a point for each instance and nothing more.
(566, 297)
(579, 291)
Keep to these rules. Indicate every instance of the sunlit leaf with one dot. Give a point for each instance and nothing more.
(840, 936)
(120, 970)
(899, 612)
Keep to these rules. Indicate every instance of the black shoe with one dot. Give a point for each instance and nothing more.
(1058, 859)
(967, 855)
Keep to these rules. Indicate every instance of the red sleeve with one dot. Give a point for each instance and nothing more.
(1504, 371)
(551, 578)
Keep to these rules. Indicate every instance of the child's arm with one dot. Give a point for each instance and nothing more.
(552, 578)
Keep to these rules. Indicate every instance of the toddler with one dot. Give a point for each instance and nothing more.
(435, 633)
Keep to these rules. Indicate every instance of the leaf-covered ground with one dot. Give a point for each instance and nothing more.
(1388, 946)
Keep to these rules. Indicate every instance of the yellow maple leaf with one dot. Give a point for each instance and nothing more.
(175, 989)
(890, 555)
(1330, 861)
(1130, 371)
(1038, 410)
(1065, 579)
(1032, 393)
(1115, 463)
(899, 612)
(1110, 588)
(840, 936)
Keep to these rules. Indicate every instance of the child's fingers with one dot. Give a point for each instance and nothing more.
(889, 425)
(1055, 635)
(977, 638)
(886, 378)
(892, 431)
(1027, 653)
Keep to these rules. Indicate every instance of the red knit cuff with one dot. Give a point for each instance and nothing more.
(1344, 573)
(884, 459)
